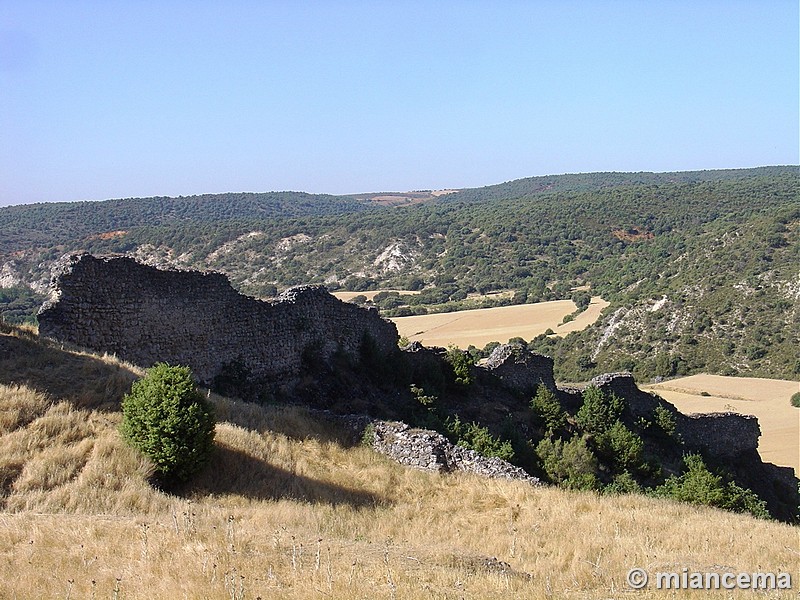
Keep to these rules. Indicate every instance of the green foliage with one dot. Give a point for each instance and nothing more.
(18, 305)
(623, 483)
(571, 464)
(582, 300)
(698, 485)
(622, 446)
(368, 436)
(474, 437)
(665, 420)
(462, 364)
(598, 411)
(548, 409)
(795, 400)
(166, 418)
(421, 397)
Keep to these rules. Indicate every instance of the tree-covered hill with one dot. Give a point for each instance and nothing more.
(55, 223)
(701, 268)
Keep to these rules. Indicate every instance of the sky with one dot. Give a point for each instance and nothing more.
(117, 99)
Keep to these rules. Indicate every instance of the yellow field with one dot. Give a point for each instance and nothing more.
(481, 326)
(347, 296)
(767, 399)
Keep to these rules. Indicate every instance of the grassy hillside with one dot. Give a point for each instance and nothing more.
(286, 509)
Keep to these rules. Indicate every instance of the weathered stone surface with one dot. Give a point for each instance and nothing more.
(722, 435)
(145, 315)
(429, 450)
(520, 369)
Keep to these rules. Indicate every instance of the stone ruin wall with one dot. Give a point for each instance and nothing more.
(425, 449)
(146, 315)
(520, 369)
(724, 435)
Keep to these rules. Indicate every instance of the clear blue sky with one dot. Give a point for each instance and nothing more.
(110, 99)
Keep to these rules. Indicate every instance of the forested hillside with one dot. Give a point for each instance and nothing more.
(701, 268)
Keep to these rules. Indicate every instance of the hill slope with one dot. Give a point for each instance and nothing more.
(287, 510)
(722, 246)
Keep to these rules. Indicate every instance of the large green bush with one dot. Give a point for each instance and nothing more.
(622, 446)
(598, 411)
(795, 400)
(570, 464)
(166, 418)
(698, 485)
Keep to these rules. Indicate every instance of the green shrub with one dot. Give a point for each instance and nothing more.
(548, 409)
(665, 420)
(474, 437)
(570, 464)
(368, 436)
(166, 418)
(598, 411)
(622, 446)
(623, 483)
(795, 400)
(462, 364)
(698, 485)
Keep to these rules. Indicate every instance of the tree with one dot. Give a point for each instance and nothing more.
(462, 365)
(548, 409)
(166, 418)
(598, 412)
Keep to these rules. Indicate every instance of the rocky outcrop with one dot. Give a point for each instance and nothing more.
(428, 450)
(520, 369)
(146, 315)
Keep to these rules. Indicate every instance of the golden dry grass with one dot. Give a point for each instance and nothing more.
(286, 510)
(478, 327)
(346, 296)
(767, 399)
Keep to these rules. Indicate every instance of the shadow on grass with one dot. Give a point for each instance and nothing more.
(234, 472)
(47, 367)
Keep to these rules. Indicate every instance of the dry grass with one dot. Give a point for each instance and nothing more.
(286, 510)
(767, 399)
(478, 327)
(347, 296)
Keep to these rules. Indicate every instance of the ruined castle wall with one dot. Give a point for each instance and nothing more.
(723, 435)
(145, 315)
(426, 449)
(519, 369)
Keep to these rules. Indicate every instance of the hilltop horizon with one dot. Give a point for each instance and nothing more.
(412, 190)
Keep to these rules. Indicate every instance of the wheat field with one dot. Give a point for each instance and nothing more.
(287, 509)
(478, 327)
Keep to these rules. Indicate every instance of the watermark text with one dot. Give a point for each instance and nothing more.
(697, 580)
